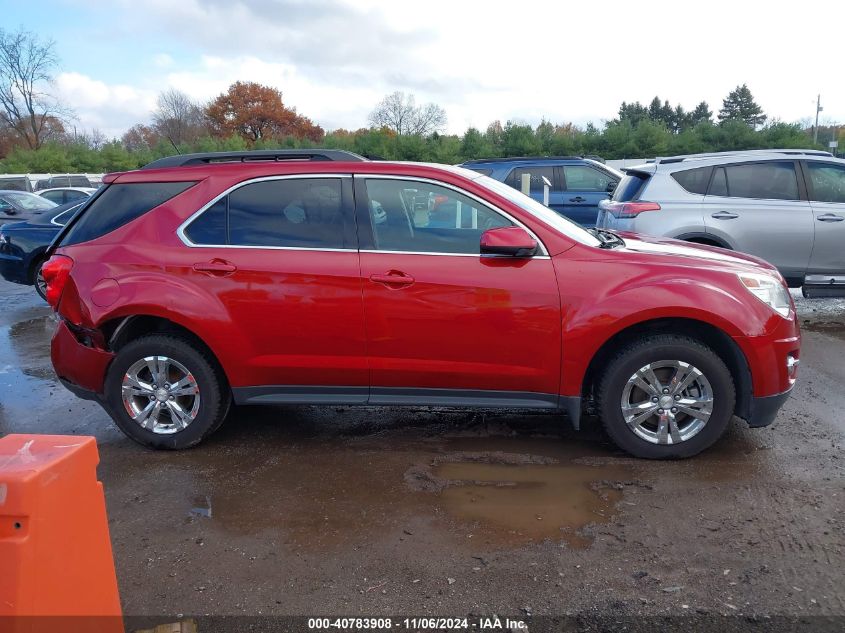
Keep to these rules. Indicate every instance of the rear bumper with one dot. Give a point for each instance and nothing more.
(764, 410)
(81, 368)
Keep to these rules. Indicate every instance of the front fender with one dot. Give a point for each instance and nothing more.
(598, 312)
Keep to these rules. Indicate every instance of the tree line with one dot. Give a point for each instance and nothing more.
(34, 134)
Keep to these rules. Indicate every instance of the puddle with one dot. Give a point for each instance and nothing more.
(325, 492)
(202, 507)
(532, 502)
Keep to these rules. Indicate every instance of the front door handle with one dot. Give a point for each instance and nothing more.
(393, 278)
(724, 215)
(577, 199)
(216, 267)
(830, 217)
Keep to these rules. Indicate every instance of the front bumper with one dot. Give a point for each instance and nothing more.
(77, 364)
(764, 409)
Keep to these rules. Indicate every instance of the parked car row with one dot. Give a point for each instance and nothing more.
(23, 182)
(786, 206)
(577, 185)
(28, 223)
(319, 277)
(23, 244)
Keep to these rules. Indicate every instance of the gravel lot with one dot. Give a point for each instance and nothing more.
(307, 511)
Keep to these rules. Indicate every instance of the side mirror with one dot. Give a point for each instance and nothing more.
(611, 186)
(513, 241)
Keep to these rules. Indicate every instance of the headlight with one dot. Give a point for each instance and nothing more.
(769, 290)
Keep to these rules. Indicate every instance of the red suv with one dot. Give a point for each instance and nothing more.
(319, 277)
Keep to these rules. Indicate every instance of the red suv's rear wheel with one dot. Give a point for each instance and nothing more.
(164, 393)
(666, 397)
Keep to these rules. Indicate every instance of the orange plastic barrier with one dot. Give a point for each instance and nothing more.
(56, 566)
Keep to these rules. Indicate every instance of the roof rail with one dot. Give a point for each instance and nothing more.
(511, 158)
(186, 160)
(742, 152)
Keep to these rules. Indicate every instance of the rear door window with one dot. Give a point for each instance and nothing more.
(719, 186)
(583, 178)
(286, 213)
(119, 204)
(304, 213)
(827, 181)
(55, 196)
(536, 174)
(775, 180)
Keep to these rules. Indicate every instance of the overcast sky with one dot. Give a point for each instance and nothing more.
(335, 59)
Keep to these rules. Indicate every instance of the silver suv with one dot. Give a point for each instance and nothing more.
(786, 206)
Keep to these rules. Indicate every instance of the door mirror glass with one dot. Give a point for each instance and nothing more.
(513, 241)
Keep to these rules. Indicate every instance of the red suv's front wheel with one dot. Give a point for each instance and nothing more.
(666, 396)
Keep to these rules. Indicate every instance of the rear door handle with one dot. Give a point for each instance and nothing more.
(830, 217)
(216, 267)
(395, 278)
(577, 199)
(724, 215)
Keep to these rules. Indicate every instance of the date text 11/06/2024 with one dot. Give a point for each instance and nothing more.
(415, 624)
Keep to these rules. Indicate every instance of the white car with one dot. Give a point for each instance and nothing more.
(62, 195)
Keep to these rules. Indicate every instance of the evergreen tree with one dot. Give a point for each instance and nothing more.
(700, 114)
(739, 105)
(632, 112)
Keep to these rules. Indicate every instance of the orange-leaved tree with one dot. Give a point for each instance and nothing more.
(255, 112)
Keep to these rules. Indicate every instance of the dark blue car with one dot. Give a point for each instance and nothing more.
(23, 244)
(577, 184)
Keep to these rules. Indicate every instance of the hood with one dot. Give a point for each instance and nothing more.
(676, 249)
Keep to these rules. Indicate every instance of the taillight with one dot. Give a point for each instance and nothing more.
(56, 271)
(629, 209)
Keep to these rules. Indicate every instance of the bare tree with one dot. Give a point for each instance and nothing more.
(26, 66)
(400, 113)
(178, 118)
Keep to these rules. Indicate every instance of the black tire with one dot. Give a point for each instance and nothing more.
(34, 278)
(215, 396)
(652, 349)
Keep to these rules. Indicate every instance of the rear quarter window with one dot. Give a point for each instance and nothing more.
(630, 187)
(694, 180)
(119, 204)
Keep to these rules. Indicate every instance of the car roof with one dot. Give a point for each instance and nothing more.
(84, 189)
(690, 161)
(521, 159)
(257, 169)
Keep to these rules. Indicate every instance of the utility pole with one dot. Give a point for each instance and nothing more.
(819, 108)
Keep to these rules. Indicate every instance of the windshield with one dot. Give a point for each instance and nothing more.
(542, 213)
(29, 201)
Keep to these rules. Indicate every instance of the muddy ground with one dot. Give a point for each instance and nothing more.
(357, 511)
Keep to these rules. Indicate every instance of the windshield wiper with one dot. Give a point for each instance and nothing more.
(607, 238)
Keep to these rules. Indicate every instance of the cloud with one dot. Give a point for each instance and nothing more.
(162, 60)
(110, 108)
(335, 59)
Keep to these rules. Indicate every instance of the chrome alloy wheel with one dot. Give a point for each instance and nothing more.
(160, 394)
(667, 402)
(40, 284)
